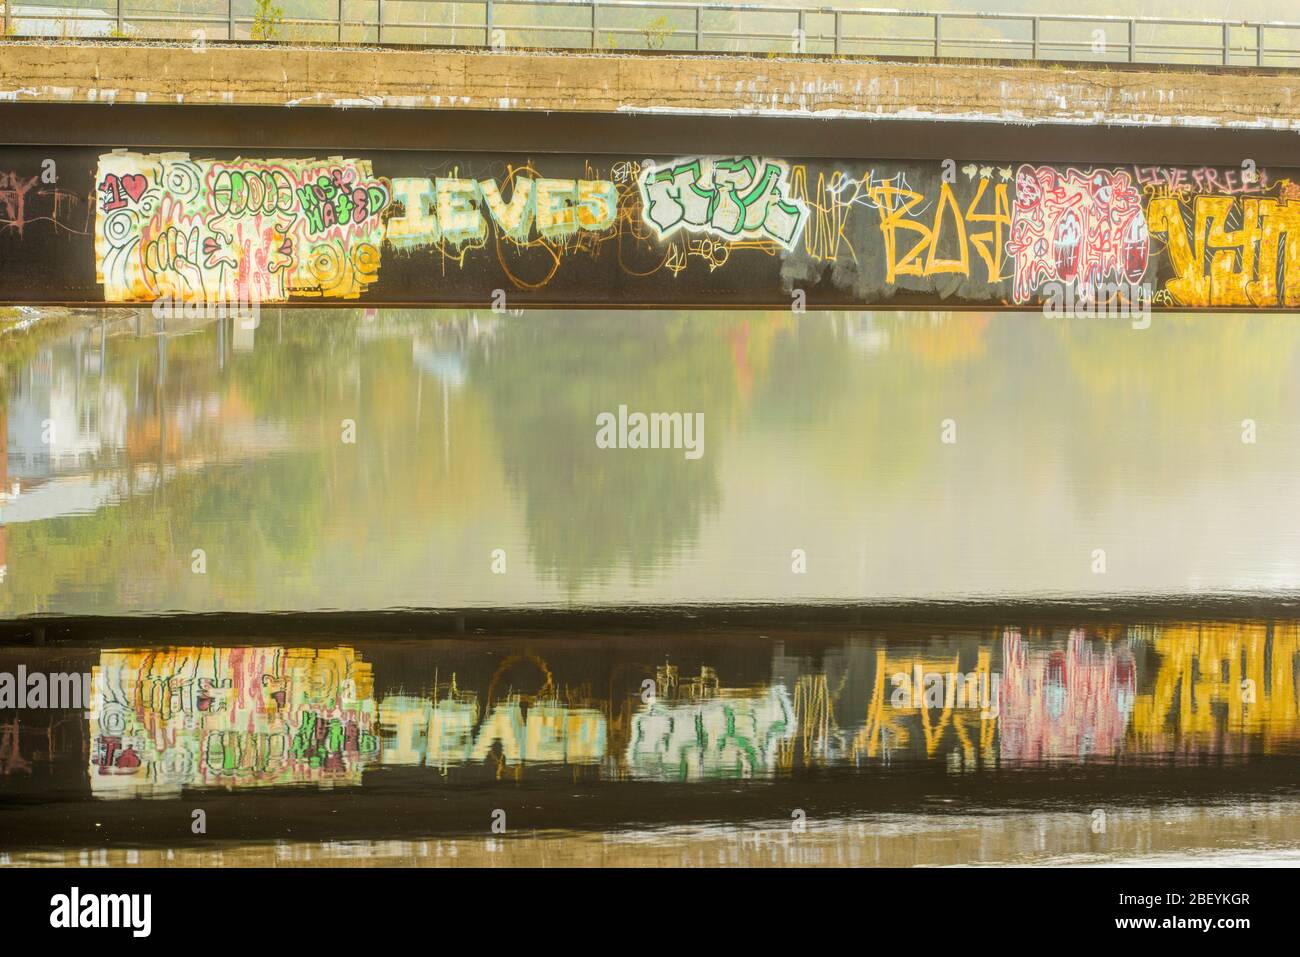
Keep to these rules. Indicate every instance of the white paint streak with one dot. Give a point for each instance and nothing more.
(1014, 117)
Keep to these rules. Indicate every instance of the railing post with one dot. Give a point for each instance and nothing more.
(487, 23)
(1034, 26)
(699, 27)
(230, 14)
(803, 33)
(1259, 44)
(1227, 44)
(379, 27)
(340, 21)
(1132, 40)
(593, 24)
(119, 14)
(938, 34)
(839, 26)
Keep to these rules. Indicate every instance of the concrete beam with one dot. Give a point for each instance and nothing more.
(279, 76)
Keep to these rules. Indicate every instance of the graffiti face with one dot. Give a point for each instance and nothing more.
(1028, 192)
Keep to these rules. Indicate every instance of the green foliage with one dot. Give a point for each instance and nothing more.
(657, 32)
(267, 20)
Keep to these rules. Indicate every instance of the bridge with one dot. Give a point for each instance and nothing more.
(871, 163)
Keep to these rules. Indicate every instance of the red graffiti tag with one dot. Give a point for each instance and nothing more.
(119, 189)
(1080, 228)
(13, 199)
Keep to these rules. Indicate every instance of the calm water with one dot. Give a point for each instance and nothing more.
(389, 460)
(1089, 459)
(897, 744)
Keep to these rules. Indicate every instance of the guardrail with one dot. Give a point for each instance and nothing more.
(675, 26)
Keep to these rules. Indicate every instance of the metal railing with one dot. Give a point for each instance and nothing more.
(752, 28)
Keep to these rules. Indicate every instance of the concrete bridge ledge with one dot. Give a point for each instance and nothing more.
(516, 80)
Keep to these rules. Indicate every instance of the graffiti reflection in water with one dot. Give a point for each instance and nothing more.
(163, 721)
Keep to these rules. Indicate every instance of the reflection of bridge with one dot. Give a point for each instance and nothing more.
(243, 717)
(1219, 685)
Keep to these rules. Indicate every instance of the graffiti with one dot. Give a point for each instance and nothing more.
(452, 209)
(228, 717)
(968, 707)
(335, 198)
(13, 198)
(892, 229)
(742, 197)
(1157, 181)
(447, 731)
(712, 252)
(1232, 251)
(26, 200)
(11, 758)
(1079, 229)
(165, 720)
(703, 731)
(825, 233)
(453, 228)
(909, 216)
(1072, 702)
(121, 191)
(1221, 688)
(243, 230)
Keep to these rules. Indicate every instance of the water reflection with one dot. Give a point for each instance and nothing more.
(126, 450)
(1246, 834)
(162, 721)
(1069, 702)
(904, 744)
(228, 717)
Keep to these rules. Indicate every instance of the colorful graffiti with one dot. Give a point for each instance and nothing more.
(742, 197)
(933, 703)
(238, 231)
(1083, 229)
(1222, 688)
(701, 730)
(1228, 251)
(161, 721)
(447, 730)
(1070, 702)
(754, 230)
(452, 209)
(167, 720)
